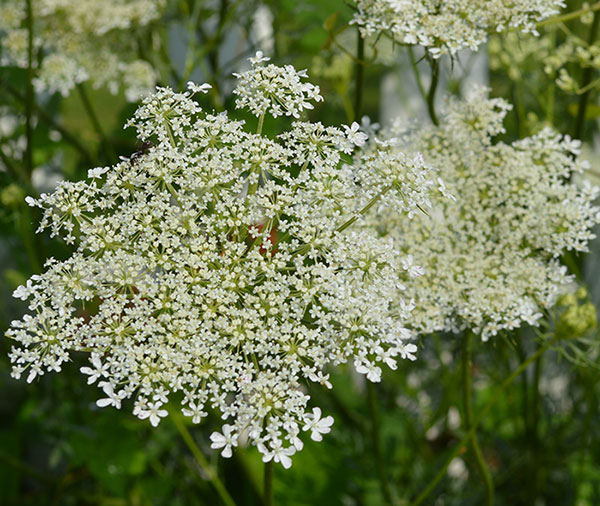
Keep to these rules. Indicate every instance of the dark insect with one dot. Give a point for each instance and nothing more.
(135, 157)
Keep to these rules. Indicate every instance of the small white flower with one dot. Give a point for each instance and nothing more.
(318, 425)
(198, 88)
(355, 136)
(443, 190)
(413, 270)
(21, 292)
(372, 371)
(227, 440)
(98, 171)
(408, 351)
(112, 398)
(100, 370)
(277, 453)
(195, 411)
(321, 378)
(258, 58)
(153, 412)
(34, 371)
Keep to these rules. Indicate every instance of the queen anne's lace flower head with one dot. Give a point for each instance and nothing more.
(83, 40)
(491, 256)
(276, 90)
(446, 26)
(223, 264)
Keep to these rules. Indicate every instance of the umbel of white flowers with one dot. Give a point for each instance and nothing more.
(491, 257)
(80, 41)
(447, 26)
(223, 264)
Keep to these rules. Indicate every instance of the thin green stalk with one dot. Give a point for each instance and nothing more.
(201, 459)
(569, 16)
(261, 120)
(47, 118)
(534, 438)
(586, 439)
(477, 421)
(524, 388)
(435, 76)
(415, 68)
(268, 484)
(360, 76)
(87, 104)
(588, 74)
(29, 95)
(213, 53)
(468, 418)
(251, 474)
(551, 93)
(520, 109)
(369, 205)
(379, 461)
(28, 237)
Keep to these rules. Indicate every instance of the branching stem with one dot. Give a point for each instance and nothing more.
(569, 16)
(29, 95)
(478, 419)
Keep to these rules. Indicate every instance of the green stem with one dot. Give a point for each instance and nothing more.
(29, 95)
(467, 384)
(477, 420)
(29, 239)
(435, 76)
(415, 68)
(252, 475)
(87, 104)
(569, 16)
(535, 446)
(551, 93)
(268, 484)
(47, 118)
(521, 118)
(369, 205)
(201, 459)
(261, 120)
(524, 387)
(360, 76)
(379, 461)
(588, 74)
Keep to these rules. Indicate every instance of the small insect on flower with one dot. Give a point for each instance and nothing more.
(135, 157)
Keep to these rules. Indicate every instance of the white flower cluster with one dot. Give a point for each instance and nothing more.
(86, 40)
(447, 26)
(222, 264)
(491, 256)
(277, 90)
